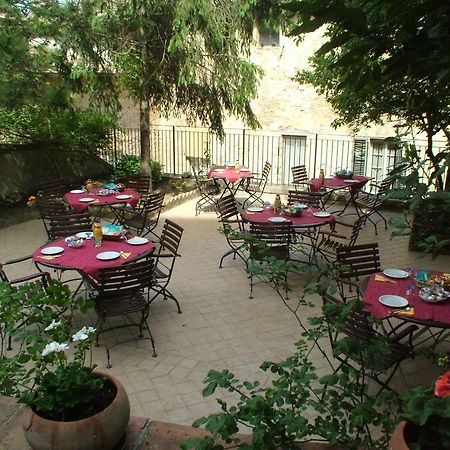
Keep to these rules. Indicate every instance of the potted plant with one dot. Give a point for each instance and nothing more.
(69, 404)
(426, 418)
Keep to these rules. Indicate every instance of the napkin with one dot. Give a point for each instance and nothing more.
(49, 257)
(404, 312)
(250, 213)
(381, 278)
(125, 255)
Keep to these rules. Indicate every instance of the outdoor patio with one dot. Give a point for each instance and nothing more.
(220, 327)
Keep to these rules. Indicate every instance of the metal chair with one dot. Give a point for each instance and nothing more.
(145, 217)
(208, 189)
(368, 205)
(300, 176)
(269, 242)
(121, 291)
(165, 258)
(50, 207)
(330, 241)
(309, 198)
(356, 263)
(69, 224)
(141, 184)
(256, 186)
(233, 227)
(354, 324)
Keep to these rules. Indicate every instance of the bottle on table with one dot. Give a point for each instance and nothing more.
(321, 177)
(98, 234)
(237, 166)
(89, 185)
(277, 204)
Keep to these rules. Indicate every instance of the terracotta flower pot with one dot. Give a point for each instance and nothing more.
(101, 431)
(397, 441)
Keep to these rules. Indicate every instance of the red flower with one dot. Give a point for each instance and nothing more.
(442, 386)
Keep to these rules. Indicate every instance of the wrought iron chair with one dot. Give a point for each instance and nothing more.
(300, 176)
(330, 241)
(233, 227)
(368, 205)
(355, 324)
(356, 263)
(165, 258)
(269, 242)
(69, 224)
(208, 189)
(50, 207)
(121, 292)
(256, 186)
(145, 217)
(199, 165)
(140, 184)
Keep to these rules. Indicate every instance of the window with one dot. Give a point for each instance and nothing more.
(268, 36)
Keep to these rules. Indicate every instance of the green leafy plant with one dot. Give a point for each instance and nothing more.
(428, 408)
(51, 367)
(130, 166)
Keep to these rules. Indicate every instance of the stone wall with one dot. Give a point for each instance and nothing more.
(23, 167)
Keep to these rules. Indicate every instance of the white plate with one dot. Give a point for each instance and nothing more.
(219, 170)
(52, 250)
(123, 196)
(395, 273)
(255, 209)
(85, 234)
(137, 240)
(106, 256)
(86, 200)
(277, 219)
(329, 178)
(300, 206)
(350, 181)
(394, 301)
(244, 169)
(77, 191)
(321, 214)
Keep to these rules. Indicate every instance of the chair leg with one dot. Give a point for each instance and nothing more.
(251, 287)
(166, 293)
(144, 321)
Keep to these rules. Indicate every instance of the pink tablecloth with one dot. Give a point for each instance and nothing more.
(307, 219)
(84, 258)
(437, 312)
(99, 200)
(228, 174)
(339, 183)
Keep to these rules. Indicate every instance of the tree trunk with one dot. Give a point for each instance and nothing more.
(144, 112)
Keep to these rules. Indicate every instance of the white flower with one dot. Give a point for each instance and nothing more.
(89, 330)
(54, 347)
(80, 335)
(54, 324)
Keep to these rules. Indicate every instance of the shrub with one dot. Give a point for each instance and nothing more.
(130, 166)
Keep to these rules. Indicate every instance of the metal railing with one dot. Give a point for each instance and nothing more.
(171, 144)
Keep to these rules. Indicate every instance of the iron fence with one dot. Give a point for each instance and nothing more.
(171, 144)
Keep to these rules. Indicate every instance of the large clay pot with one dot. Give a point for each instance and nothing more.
(101, 431)
(397, 441)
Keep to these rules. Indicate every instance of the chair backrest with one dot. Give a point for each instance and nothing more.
(169, 243)
(266, 170)
(153, 203)
(355, 323)
(357, 226)
(270, 240)
(299, 174)
(227, 207)
(54, 186)
(125, 281)
(358, 260)
(309, 198)
(199, 165)
(69, 224)
(139, 183)
(49, 207)
(384, 186)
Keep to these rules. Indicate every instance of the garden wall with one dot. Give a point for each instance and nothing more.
(23, 167)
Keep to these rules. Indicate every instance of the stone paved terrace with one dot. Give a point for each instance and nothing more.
(220, 327)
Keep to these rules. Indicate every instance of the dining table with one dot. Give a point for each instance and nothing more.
(88, 259)
(231, 177)
(433, 316)
(334, 183)
(80, 199)
(305, 226)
